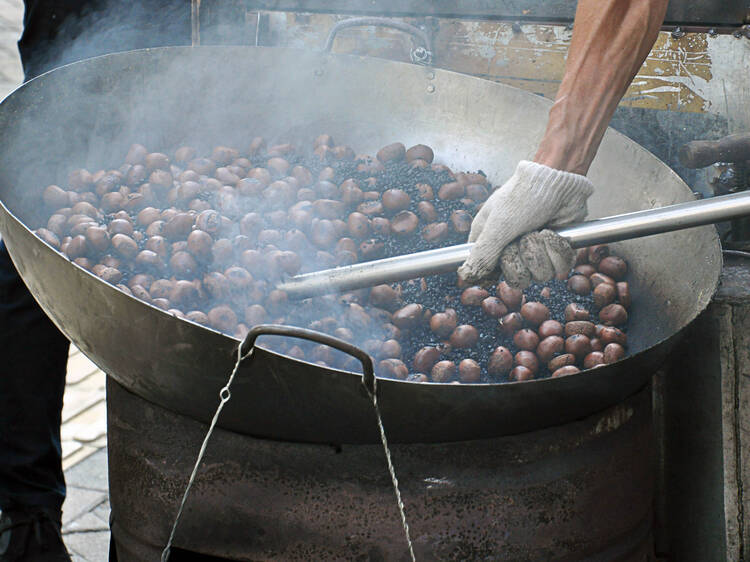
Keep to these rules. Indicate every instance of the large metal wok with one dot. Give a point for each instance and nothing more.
(88, 113)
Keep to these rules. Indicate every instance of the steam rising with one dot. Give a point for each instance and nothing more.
(86, 115)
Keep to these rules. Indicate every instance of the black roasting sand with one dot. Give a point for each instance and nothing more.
(435, 293)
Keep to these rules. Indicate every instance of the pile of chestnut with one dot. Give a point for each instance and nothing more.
(208, 237)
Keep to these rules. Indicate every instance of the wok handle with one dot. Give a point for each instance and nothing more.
(368, 373)
(420, 55)
(445, 260)
(702, 153)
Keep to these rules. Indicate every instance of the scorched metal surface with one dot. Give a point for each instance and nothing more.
(581, 492)
(88, 113)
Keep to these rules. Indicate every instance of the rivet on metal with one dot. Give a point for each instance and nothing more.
(516, 27)
(430, 75)
(430, 88)
(677, 33)
(712, 32)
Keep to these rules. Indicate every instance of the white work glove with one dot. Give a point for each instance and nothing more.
(535, 196)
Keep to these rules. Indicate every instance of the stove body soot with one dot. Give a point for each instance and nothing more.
(579, 491)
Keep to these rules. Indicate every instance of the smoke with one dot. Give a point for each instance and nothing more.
(86, 115)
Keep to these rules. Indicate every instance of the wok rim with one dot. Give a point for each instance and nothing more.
(349, 57)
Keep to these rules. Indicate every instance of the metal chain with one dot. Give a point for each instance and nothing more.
(392, 471)
(224, 396)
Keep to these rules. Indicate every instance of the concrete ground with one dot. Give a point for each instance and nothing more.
(84, 428)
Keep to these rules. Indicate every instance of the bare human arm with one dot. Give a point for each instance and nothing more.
(611, 39)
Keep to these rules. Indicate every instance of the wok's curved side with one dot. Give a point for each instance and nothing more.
(89, 112)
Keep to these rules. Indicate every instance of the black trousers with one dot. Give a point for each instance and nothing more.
(33, 352)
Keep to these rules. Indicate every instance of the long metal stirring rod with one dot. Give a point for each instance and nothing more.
(443, 260)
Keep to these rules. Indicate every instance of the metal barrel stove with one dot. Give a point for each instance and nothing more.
(513, 456)
(578, 491)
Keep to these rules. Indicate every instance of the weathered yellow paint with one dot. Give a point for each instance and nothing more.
(676, 75)
(673, 76)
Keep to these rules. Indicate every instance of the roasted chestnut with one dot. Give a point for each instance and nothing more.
(500, 362)
(255, 314)
(183, 265)
(419, 152)
(585, 269)
(613, 315)
(511, 323)
(550, 328)
(565, 371)
(527, 359)
(511, 296)
(614, 267)
(443, 371)
(473, 296)
(385, 296)
(584, 327)
(469, 371)
(561, 361)
(579, 345)
(451, 191)
(392, 152)
(579, 284)
(494, 307)
(597, 253)
(425, 359)
(623, 293)
(358, 225)
(442, 324)
(526, 339)
(390, 349)
(222, 318)
(404, 223)
(549, 347)
(435, 232)
(520, 373)
(427, 211)
(123, 245)
(534, 313)
(575, 311)
(200, 244)
(464, 336)
(408, 317)
(613, 352)
(604, 294)
(593, 359)
(461, 221)
(393, 368)
(599, 278)
(610, 334)
(424, 190)
(395, 200)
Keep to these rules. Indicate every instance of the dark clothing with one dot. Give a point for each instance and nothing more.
(58, 32)
(34, 353)
(32, 535)
(34, 356)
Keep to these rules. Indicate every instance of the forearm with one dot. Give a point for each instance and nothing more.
(611, 39)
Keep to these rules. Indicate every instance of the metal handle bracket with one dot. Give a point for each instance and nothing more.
(368, 373)
(419, 55)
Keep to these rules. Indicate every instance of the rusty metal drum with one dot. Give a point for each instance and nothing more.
(578, 491)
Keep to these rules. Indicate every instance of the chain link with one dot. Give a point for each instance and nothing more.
(224, 396)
